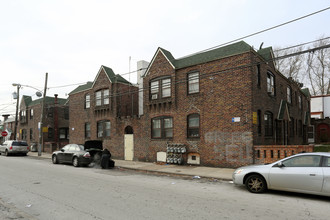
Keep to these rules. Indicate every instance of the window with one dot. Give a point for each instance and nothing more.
(50, 133)
(102, 97)
(87, 130)
(50, 112)
(270, 84)
(193, 82)
(326, 162)
(87, 101)
(98, 98)
(24, 134)
(289, 95)
(162, 127)
(31, 113)
(160, 88)
(106, 97)
(23, 116)
(31, 134)
(259, 121)
(103, 129)
(154, 89)
(64, 133)
(166, 88)
(268, 124)
(299, 102)
(303, 161)
(193, 126)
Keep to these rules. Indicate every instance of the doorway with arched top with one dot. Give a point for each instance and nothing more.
(129, 143)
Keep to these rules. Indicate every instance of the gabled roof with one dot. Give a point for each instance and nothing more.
(113, 78)
(306, 92)
(268, 54)
(27, 99)
(203, 57)
(81, 88)
(283, 110)
(48, 100)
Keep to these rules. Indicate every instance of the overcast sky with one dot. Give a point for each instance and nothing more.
(71, 39)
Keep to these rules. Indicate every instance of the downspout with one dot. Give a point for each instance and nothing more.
(56, 122)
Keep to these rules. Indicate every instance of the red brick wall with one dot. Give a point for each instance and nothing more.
(225, 92)
(271, 153)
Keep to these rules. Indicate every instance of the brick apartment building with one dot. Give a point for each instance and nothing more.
(55, 124)
(8, 125)
(98, 108)
(223, 107)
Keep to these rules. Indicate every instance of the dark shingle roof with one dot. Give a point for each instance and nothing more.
(282, 110)
(48, 100)
(27, 99)
(81, 88)
(211, 55)
(113, 77)
(266, 53)
(306, 92)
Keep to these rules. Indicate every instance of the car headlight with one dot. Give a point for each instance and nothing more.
(238, 171)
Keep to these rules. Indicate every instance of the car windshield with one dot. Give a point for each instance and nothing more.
(19, 143)
(81, 147)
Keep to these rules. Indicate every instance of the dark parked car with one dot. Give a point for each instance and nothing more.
(77, 154)
(14, 147)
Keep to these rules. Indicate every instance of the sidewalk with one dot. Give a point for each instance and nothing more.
(194, 171)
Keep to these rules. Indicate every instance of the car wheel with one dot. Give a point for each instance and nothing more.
(256, 184)
(75, 162)
(6, 153)
(54, 159)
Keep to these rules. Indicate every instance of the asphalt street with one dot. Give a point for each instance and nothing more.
(37, 189)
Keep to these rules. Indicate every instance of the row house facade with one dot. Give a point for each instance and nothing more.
(55, 129)
(225, 107)
(98, 109)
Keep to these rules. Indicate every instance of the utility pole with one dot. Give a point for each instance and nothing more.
(16, 116)
(41, 136)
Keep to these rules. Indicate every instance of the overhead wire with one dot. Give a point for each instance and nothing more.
(241, 38)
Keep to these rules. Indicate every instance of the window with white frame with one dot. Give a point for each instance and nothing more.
(162, 127)
(270, 83)
(87, 101)
(193, 82)
(106, 97)
(160, 88)
(98, 98)
(166, 88)
(102, 97)
(87, 130)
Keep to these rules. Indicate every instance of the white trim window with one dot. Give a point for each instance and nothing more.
(193, 82)
(270, 83)
(87, 101)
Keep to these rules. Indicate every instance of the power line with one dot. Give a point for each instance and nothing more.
(226, 70)
(299, 45)
(259, 32)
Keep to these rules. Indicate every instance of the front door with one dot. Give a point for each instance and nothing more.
(129, 146)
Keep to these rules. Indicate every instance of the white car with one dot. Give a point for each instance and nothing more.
(14, 147)
(304, 173)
